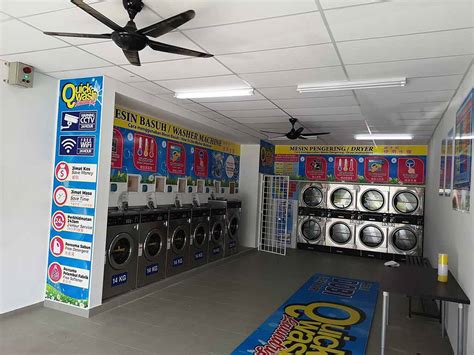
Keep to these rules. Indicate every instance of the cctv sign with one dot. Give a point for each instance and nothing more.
(84, 121)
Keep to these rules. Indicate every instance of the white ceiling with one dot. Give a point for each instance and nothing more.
(271, 45)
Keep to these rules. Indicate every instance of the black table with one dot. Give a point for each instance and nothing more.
(422, 282)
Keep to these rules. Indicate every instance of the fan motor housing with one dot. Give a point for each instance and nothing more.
(130, 41)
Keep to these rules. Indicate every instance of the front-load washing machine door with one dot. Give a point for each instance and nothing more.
(311, 230)
(178, 240)
(405, 202)
(341, 198)
(312, 196)
(372, 200)
(153, 245)
(340, 233)
(199, 235)
(233, 227)
(217, 232)
(120, 251)
(371, 236)
(404, 239)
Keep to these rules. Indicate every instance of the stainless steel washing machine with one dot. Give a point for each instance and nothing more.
(313, 194)
(373, 198)
(406, 200)
(405, 235)
(152, 246)
(216, 232)
(120, 270)
(179, 228)
(199, 243)
(371, 232)
(342, 197)
(311, 229)
(231, 240)
(340, 229)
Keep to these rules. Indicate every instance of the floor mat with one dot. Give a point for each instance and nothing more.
(327, 315)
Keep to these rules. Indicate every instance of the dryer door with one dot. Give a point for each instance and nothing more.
(340, 233)
(372, 200)
(233, 226)
(312, 196)
(152, 245)
(311, 230)
(404, 239)
(217, 232)
(405, 202)
(199, 235)
(178, 240)
(341, 198)
(120, 251)
(371, 236)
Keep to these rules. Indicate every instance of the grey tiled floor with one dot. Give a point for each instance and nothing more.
(210, 312)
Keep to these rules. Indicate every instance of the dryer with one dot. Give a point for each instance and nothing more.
(216, 232)
(406, 200)
(199, 242)
(405, 235)
(313, 194)
(120, 270)
(311, 229)
(340, 229)
(373, 198)
(371, 232)
(231, 240)
(342, 197)
(177, 253)
(152, 246)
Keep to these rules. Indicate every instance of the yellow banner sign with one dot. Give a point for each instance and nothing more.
(135, 121)
(353, 149)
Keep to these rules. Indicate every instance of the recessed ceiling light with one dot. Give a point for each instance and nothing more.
(220, 93)
(381, 136)
(351, 85)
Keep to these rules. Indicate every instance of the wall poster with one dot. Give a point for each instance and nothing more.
(463, 156)
(74, 191)
(448, 184)
(267, 158)
(442, 167)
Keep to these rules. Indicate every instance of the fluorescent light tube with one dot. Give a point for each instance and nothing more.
(221, 93)
(380, 136)
(351, 85)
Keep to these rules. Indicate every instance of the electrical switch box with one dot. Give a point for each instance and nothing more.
(20, 74)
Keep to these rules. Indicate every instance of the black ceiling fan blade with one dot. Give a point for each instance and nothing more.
(163, 47)
(132, 57)
(315, 134)
(168, 25)
(97, 15)
(299, 130)
(302, 137)
(85, 35)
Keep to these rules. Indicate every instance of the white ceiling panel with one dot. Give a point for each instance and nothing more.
(218, 12)
(3, 17)
(254, 97)
(332, 4)
(294, 77)
(244, 105)
(408, 97)
(281, 117)
(410, 68)
(332, 118)
(21, 8)
(109, 50)
(113, 72)
(192, 106)
(324, 111)
(289, 92)
(280, 32)
(253, 113)
(150, 88)
(321, 55)
(317, 102)
(447, 43)
(177, 69)
(24, 38)
(420, 115)
(399, 17)
(170, 97)
(69, 58)
(225, 82)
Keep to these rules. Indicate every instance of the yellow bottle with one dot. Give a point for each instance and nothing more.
(443, 267)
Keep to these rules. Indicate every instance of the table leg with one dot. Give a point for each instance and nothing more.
(460, 329)
(388, 308)
(442, 306)
(384, 320)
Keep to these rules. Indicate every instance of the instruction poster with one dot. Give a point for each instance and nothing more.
(463, 156)
(74, 191)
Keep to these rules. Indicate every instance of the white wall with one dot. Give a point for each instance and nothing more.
(448, 231)
(27, 119)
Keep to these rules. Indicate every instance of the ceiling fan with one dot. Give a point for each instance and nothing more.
(295, 133)
(129, 38)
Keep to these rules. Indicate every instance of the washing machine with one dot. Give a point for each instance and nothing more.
(120, 270)
(373, 198)
(231, 239)
(216, 232)
(340, 229)
(406, 200)
(405, 235)
(152, 246)
(342, 197)
(199, 242)
(177, 250)
(313, 194)
(371, 232)
(311, 228)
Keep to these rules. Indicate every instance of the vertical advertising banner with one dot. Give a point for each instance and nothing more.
(74, 190)
(448, 185)
(267, 158)
(442, 168)
(463, 156)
